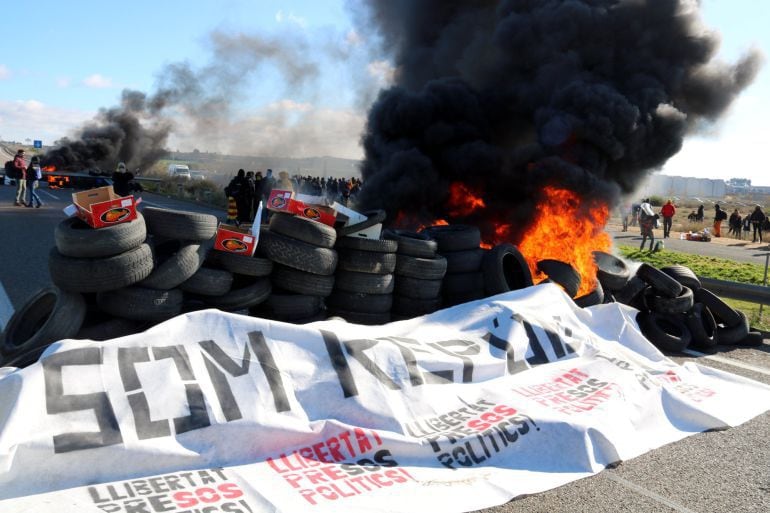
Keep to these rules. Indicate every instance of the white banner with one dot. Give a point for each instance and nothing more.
(456, 411)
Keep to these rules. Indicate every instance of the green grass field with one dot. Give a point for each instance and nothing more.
(711, 267)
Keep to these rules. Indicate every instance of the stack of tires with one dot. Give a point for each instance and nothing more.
(460, 245)
(419, 274)
(363, 287)
(305, 260)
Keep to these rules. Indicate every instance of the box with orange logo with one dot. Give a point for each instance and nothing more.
(101, 207)
(320, 213)
(237, 239)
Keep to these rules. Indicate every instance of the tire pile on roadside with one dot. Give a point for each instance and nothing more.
(675, 311)
(460, 245)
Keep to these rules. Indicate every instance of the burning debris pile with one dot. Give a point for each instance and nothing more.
(530, 119)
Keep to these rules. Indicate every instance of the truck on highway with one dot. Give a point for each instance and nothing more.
(179, 171)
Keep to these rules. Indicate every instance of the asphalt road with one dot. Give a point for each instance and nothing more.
(722, 471)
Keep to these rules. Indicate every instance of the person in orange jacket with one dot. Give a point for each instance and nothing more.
(667, 213)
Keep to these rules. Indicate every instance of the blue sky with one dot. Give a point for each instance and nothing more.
(62, 61)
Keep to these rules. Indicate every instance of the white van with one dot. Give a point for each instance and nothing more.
(179, 171)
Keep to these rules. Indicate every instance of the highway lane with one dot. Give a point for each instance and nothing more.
(707, 472)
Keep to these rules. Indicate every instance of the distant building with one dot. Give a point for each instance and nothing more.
(683, 187)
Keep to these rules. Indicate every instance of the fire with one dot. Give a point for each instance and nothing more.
(569, 229)
(49, 169)
(462, 200)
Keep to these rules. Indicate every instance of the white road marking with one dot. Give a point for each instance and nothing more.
(49, 194)
(648, 493)
(6, 308)
(729, 361)
(150, 203)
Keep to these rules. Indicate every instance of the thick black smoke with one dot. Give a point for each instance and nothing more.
(510, 96)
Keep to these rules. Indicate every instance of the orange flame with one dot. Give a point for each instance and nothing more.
(569, 229)
(462, 200)
(49, 169)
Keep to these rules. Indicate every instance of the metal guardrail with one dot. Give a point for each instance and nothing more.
(742, 291)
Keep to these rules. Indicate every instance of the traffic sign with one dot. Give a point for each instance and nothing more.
(37, 144)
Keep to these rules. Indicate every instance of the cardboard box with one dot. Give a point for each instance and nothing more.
(279, 200)
(320, 213)
(237, 239)
(102, 207)
(353, 217)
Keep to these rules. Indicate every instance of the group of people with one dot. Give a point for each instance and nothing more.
(756, 221)
(27, 178)
(247, 189)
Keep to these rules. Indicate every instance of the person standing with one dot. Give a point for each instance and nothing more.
(735, 223)
(667, 212)
(646, 223)
(120, 180)
(757, 219)
(699, 215)
(719, 216)
(21, 177)
(34, 175)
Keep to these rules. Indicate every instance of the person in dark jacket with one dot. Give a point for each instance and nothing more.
(757, 219)
(121, 179)
(34, 175)
(21, 182)
(239, 189)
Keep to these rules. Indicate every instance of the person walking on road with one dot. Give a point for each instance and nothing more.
(667, 212)
(646, 223)
(719, 216)
(757, 219)
(21, 177)
(34, 175)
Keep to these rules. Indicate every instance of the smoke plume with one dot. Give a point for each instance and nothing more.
(510, 96)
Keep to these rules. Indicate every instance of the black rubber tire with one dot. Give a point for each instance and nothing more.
(373, 245)
(612, 272)
(351, 281)
(422, 268)
(173, 269)
(505, 269)
(24, 359)
(667, 332)
(631, 291)
(287, 306)
(302, 282)
(466, 261)
(372, 217)
(403, 306)
(412, 243)
(141, 304)
(416, 288)
(242, 297)
(595, 297)
(175, 224)
(48, 316)
(723, 313)
(297, 254)
(208, 282)
(671, 305)
(100, 274)
(683, 275)
(320, 316)
(562, 274)
(74, 238)
(661, 282)
(458, 299)
(702, 326)
(753, 339)
(241, 264)
(463, 284)
(454, 237)
(109, 329)
(732, 334)
(360, 302)
(304, 229)
(368, 319)
(366, 261)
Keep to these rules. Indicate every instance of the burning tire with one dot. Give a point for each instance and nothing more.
(671, 305)
(372, 245)
(141, 304)
(423, 268)
(302, 282)
(241, 264)
(702, 326)
(466, 261)
(661, 282)
(666, 332)
(412, 243)
(208, 282)
(306, 230)
(612, 272)
(683, 275)
(454, 237)
(595, 297)
(100, 274)
(366, 261)
(505, 269)
(48, 316)
(298, 255)
(562, 274)
(372, 217)
(173, 223)
(242, 297)
(364, 282)
(176, 263)
(74, 238)
(360, 302)
(417, 288)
